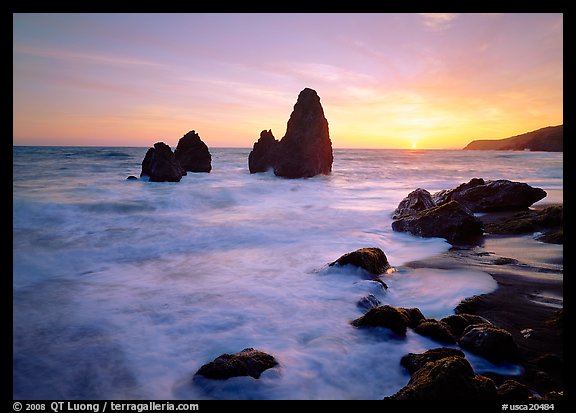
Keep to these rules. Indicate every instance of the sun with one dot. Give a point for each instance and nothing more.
(413, 146)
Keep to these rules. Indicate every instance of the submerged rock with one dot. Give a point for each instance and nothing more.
(451, 221)
(262, 156)
(368, 302)
(371, 259)
(160, 164)
(396, 319)
(489, 196)
(306, 148)
(193, 154)
(248, 362)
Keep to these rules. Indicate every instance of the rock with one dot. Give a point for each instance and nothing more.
(262, 156)
(396, 319)
(193, 154)
(513, 391)
(414, 361)
(306, 148)
(132, 178)
(457, 323)
(368, 302)
(371, 259)
(436, 330)
(417, 200)
(489, 196)
(493, 343)
(160, 164)
(248, 362)
(548, 220)
(450, 378)
(451, 221)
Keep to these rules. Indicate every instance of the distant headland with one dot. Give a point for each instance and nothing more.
(548, 139)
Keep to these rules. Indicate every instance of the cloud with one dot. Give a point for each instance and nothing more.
(438, 21)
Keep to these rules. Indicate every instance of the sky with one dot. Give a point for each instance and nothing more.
(385, 80)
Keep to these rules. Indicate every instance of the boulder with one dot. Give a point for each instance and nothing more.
(489, 196)
(160, 164)
(436, 330)
(450, 378)
(493, 343)
(417, 200)
(451, 221)
(396, 319)
(193, 154)
(306, 148)
(371, 259)
(548, 220)
(457, 323)
(414, 361)
(513, 391)
(261, 158)
(248, 362)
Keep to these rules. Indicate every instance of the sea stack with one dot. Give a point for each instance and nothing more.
(160, 164)
(261, 157)
(304, 151)
(306, 148)
(193, 154)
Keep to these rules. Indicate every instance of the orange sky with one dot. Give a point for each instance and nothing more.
(385, 80)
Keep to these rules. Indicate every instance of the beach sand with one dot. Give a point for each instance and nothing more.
(528, 301)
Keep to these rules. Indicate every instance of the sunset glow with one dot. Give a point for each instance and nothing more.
(385, 80)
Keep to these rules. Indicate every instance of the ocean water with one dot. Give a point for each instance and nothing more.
(123, 289)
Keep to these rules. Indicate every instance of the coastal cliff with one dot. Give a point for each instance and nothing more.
(548, 139)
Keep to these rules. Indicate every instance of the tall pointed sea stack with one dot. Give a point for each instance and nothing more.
(306, 148)
(193, 154)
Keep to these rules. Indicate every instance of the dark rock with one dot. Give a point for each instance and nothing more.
(248, 362)
(493, 343)
(414, 361)
(193, 154)
(450, 378)
(160, 164)
(368, 302)
(371, 259)
(458, 322)
(132, 178)
(436, 330)
(417, 200)
(488, 196)
(512, 391)
(548, 220)
(262, 156)
(306, 148)
(558, 319)
(451, 221)
(396, 319)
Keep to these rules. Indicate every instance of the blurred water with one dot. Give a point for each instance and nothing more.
(123, 289)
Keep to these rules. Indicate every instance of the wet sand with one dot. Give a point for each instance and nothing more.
(528, 301)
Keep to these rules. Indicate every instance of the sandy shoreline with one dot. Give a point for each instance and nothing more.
(527, 301)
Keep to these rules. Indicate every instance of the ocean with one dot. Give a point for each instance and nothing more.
(123, 289)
